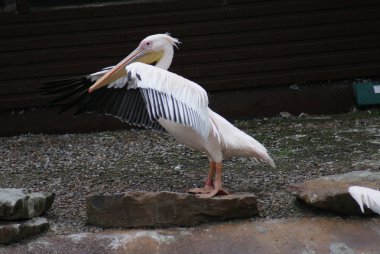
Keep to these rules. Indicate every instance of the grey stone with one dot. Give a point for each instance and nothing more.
(18, 204)
(15, 231)
(164, 209)
(331, 192)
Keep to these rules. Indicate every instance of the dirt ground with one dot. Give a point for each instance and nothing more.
(75, 166)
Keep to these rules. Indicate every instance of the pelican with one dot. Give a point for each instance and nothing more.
(367, 196)
(140, 91)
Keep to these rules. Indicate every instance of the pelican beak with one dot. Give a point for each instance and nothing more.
(138, 55)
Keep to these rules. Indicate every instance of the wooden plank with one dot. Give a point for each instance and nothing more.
(337, 97)
(123, 21)
(270, 50)
(201, 71)
(22, 101)
(100, 11)
(187, 16)
(253, 74)
(47, 120)
(22, 6)
(239, 82)
(222, 39)
(263, 8)
(111, 54)
(295, 77)
(198, 70)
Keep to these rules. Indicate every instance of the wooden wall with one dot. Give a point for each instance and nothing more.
(226, 44)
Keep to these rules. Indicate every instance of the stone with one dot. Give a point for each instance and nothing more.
(331, 192)
(285, 114)
(262, 236)
(15, 231)
(18, 204)
(164, 209)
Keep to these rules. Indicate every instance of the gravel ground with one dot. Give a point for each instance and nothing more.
(75, 166)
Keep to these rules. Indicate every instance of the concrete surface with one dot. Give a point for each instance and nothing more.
(304, 236)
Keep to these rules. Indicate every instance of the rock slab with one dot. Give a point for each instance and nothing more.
(331, 192)
(164, 209)
(16, 231)
(16, 204)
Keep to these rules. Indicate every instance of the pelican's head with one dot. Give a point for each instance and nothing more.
(158, 42)
(155, 49)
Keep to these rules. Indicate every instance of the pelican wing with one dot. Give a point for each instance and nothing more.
(366, 196)
(127, 105)
(140, 98)
(170, 96)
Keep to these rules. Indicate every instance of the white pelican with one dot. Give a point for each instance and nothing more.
(145, 95)
(367, 196)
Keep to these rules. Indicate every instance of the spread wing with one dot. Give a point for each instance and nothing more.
(140, 98)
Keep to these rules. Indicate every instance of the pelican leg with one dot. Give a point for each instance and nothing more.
(218, 190)
(209, 183)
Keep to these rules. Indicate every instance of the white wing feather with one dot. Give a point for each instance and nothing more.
(118, 83)
(366, 196)
(170, 83)
(96, 75)
(176, 89)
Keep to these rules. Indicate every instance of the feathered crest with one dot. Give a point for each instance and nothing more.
(173, 41)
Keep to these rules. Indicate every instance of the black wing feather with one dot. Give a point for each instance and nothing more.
(128, 105)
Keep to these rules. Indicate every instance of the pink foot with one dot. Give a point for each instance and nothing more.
(213, 193)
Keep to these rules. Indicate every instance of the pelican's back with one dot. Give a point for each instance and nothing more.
(236, 142)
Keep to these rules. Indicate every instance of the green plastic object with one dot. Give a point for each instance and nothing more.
(367, 93)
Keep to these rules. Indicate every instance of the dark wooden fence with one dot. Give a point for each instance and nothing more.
(256, 47)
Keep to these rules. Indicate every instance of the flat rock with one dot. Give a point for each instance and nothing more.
(331, 192)
(295, 235)
(18, 204)
(15, 231)
(164, 209)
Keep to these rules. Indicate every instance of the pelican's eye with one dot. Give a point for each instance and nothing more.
(147, 44)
